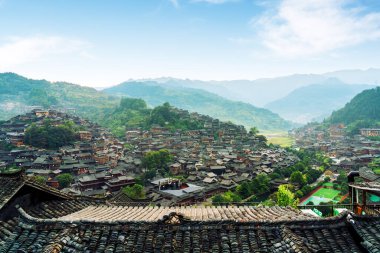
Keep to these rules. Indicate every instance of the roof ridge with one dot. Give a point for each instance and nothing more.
(32, 183)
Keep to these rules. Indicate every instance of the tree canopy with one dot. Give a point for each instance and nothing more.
(50, 136)
(297, 178)
(227, 197)
(134, 192)
(156, 162)
(361, 112)
(285, 197)
(133, 103)
(64, 180)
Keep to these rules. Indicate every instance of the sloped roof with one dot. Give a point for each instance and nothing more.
(175, 233)
(152, 214)
(9, 186)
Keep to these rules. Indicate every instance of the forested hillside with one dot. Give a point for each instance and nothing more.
(17, 93)
(317, 101)
(362, 111)
(133, 112)
(204, 102)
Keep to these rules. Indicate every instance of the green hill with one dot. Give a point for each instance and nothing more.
(315, 101)
(196, 100)
(362, 111)
(134, 112)
(364, 106)
(18, 93)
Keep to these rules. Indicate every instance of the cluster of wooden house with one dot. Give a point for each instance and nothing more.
(348, 152)
(216, 158)
(213, 159)
(92, 159)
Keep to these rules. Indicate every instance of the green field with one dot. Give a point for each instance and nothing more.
(327, 193)
(278, 138)
(322, 195)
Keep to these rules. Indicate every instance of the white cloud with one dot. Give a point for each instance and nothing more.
(214, 1)
(19, 50)
(175, 3)
(306, 28)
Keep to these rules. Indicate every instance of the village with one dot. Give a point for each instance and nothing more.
(204, 162)
(347, 152)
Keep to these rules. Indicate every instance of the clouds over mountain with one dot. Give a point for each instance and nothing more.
(307, 28)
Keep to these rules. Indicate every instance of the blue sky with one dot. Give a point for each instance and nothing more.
(105, 42)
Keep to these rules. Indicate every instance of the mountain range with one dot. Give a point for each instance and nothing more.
(18, 94)
(263, 91)
(269, 104)
(364, 107)
(299, 98)
(317, 101)
(197, 100)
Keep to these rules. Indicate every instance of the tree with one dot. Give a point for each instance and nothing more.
(161, 115)
(133, 103)
(306, 189)
(217, 199)
(342, 178)
(157, 160)
(312, 175)
(275, 175)
(262, 138)
(244, 190)
(64, 179)
(253, 131)
(227, 197)
(135, 192)
(297, 178)
(299, 194)
(50, 136)
(285, 197)
(260, 184)
(325, 208)
(39, 179)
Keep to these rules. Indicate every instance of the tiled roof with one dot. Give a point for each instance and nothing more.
(8, 188)
(368, 228)
(58, 208)
(368, 174)
(26, 234)
(153, 214)
(372, 186)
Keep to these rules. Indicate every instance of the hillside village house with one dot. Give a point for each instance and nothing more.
(370, 132)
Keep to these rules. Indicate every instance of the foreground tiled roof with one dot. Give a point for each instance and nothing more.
(58, 208)
(55, 223)
(200, 213)
(9, 186)
(368, 228)
(28, 234)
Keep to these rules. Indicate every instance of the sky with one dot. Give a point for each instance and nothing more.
(101, 43)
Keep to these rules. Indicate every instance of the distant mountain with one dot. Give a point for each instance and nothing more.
(263, 91)
(257, 92)
(369, 76)
(363, 107)
(316, 101)
(196, 100)
(18, 94)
